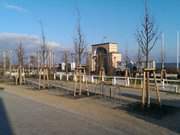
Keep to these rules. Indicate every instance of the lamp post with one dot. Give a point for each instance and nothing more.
(177, 51)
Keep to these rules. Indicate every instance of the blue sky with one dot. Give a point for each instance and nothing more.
(115, 19)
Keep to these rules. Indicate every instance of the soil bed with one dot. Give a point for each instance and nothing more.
(153, 111)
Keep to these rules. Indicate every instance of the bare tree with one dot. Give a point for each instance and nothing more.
(20, 54)
(100, 61)
(79, 41)
(7, 60)
(162, 53)
(44, 49)
(126, 58)
(147, 36)
(33, 61)
(88, 62)
(66, 60)
(139, 59)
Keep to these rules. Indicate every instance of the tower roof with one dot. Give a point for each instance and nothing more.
(103, 43)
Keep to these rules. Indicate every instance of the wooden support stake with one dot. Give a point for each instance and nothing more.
(39, 78)
(44, 76)
(87, 89)
(75, 86)
(110, 92)
(146, 87)
(147, 90)
(80, 85)
(143, 90)
(157, 90)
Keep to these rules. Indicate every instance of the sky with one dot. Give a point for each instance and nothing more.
(117, 20)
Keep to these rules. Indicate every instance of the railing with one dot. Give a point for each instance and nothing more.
(135, 82)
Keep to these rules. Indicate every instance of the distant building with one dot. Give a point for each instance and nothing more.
(73, 66)
(106, 56)
(63, 66)
(151, 64)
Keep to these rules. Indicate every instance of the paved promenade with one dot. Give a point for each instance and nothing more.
(27, 112)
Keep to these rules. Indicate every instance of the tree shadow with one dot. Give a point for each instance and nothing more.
(69, 94)
(5, 125)
(166, 115)
(129, 95)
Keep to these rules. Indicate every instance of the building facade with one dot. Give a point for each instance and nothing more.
(105, 56)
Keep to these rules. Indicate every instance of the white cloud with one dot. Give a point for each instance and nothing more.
(30, 42)
(16, 8)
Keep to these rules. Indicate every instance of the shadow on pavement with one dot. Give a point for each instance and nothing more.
(129, 95)
(166, 116)
(69, 94)
(5, 125)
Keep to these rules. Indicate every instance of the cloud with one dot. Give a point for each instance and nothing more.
(15, 8)
(29, 42)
